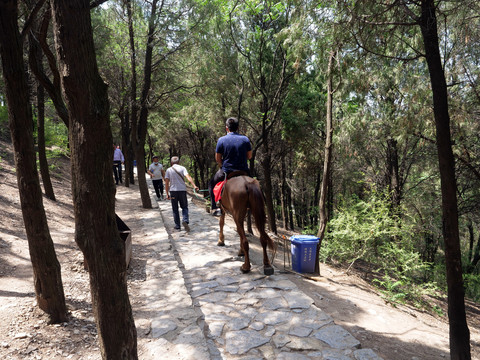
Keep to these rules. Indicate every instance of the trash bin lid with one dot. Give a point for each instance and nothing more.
(304, 239)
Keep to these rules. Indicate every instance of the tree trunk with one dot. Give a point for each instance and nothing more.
(143, 118)
(267, 167)
(471, 236)
(290, 202)
(36, 63)
(42, 154)
(126, 145)
(46, 268)
(459, 333)
(476, 255)
(393, 173)
(132, 131)
(37, 43)
(284, 194)
(473, 255)
(93, 188)
(327, 162)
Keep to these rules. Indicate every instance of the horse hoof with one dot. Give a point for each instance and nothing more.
(220, 243)
(243, 270)
(268, 270)
(240, 254)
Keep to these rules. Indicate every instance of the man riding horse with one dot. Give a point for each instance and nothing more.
(241, 193)
(231, 154)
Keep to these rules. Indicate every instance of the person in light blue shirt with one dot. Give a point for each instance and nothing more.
(118, 160)
(232, 154)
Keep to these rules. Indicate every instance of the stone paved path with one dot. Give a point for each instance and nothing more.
(203, 307)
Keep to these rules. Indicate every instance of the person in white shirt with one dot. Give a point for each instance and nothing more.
(176, 190)
(157, 174)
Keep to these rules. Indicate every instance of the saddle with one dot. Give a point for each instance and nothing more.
(218, 189)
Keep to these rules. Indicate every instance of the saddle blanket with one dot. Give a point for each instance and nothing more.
(217, 190)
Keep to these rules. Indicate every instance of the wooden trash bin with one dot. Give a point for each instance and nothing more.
(126, 235)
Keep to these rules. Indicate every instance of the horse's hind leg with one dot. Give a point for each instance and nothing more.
(267, 267)
(243, 247)
(221, 237)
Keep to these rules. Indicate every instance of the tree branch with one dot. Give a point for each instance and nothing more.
(31, 18)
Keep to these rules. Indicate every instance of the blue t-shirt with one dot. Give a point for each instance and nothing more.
(234, 148)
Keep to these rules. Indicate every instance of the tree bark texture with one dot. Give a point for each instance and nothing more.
(42, 153)
(459, 333)
(93, 188)
(46, 268)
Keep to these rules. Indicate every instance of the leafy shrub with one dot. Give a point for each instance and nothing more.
(368, 231)
(56, 135)
(361, 228)
(472, 286)
(4, 130)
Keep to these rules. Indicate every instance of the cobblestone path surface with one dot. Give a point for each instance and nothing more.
(203, 307)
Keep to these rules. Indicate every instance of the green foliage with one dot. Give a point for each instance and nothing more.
(391, 289)
(231, 64)
(56, 136)
(367, 230)
(300, 115)
(4, 132)
(472, 286)
(361, 228)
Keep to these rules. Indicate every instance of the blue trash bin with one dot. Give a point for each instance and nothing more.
(134, 162)
(304, 251)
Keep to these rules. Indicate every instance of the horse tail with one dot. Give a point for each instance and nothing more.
(257, 207)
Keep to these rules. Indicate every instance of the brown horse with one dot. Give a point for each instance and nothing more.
(240, 194)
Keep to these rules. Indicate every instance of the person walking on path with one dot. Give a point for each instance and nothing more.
(118, 160)
(176, 190)
(157, 174)
(231, 154)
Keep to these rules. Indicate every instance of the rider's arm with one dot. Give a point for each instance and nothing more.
(249, 154)
(218, 159)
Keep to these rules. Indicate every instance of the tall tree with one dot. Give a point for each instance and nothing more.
(459, 333)
(263, 61)
(129, 124)
(327, 163)
(46, 268)
(142, 126)
(93, 189)
(423, 14)
(36, 61)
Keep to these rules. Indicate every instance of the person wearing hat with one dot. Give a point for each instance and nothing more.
(157, 174)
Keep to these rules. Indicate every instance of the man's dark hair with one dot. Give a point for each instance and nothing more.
(232, 124)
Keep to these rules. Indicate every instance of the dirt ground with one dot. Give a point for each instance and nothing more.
(401, 333)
